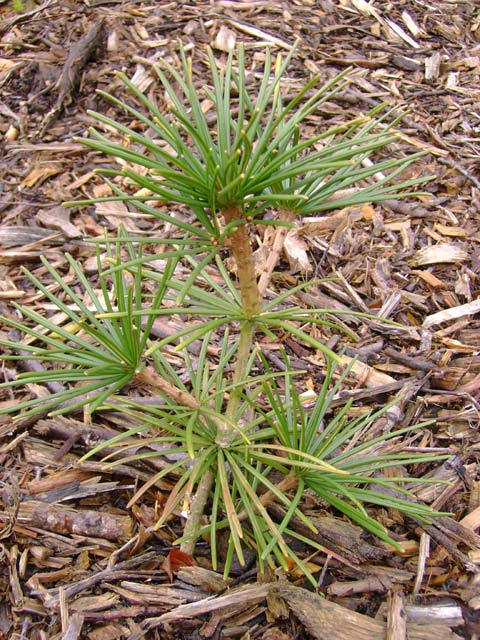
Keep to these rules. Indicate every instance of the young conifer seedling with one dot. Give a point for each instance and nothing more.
(232, 426)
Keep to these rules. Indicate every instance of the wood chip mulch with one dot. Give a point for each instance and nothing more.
(74, 562)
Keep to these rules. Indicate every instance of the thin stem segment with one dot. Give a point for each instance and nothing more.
(151, 378)
(197, 508)
(225, 430)
(239, 243)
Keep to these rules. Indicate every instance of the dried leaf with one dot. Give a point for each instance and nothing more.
(175, 560)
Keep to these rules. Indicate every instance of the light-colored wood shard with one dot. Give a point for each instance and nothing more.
(439, 253)
(462, 310)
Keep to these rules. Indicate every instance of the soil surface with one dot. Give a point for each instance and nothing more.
(74, 561)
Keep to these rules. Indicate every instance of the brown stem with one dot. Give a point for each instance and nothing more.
(225, 430)
(197, 507)
(153, 379)
(239, 243)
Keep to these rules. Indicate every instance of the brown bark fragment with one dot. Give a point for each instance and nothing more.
(96, 524)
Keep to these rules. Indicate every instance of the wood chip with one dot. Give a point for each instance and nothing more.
(454, 232)
(247, 595)
(259, 33)
(367, 375)
(439, 253)
(225, 39)
(396, 617)
(58, 218)
(325, 620)
(431, 279)
(296, 251)
(453, 313)
(432, 66)
(70, 521)
(411, 25)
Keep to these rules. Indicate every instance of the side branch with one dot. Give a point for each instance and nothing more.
(151, 378)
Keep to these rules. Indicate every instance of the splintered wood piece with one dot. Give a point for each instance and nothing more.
(397, 29)
(472, 519)
(225, 39)
(96, 602)
(272, 254)
(40, 173)
(51, 598)
(258, 33)
(25, 237)
(453, 232)
(423, 555)
(370, 584)
(468, 309)
(313, 225)
(325, 620)
(411, 25)
(248, 595)
(447, 253)
(76, 432)
(58, 218)
(396, 617)
(153, 594)
(77, 491)
(340, 539)
(432, 66)
(96, 524)
(117, 214)
(449, 534)
(431, 279)
(15, 256)
(204, 579)
(57, 479)
(74, 627)
(446, 613)
(367, 375)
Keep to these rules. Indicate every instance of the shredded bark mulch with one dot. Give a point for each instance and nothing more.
(75, 563)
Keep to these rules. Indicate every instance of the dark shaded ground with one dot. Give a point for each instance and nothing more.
(64, 570)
